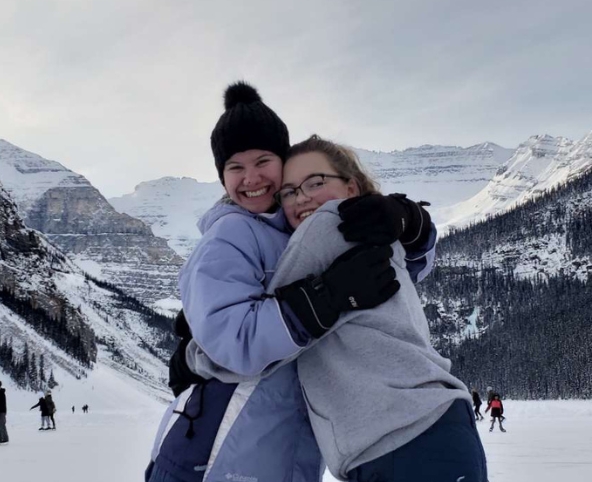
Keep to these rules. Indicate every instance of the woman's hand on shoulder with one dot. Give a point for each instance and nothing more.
(377, 219)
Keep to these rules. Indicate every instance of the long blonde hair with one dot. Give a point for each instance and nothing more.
(345, 161)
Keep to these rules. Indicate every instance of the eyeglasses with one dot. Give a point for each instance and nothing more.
(309, 187)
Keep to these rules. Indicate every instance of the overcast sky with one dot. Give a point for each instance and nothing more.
(125, 91)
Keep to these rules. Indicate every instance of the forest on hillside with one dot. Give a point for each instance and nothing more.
(532, 335)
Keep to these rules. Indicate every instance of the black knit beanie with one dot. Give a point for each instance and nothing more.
(247, 124)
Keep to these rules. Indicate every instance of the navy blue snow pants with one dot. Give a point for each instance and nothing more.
(449, 451)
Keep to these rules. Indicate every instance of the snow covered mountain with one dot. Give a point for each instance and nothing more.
(75, 216)
(55, 319)
(502, 281)
(539, 164)
(443, 175)
(171, 207)
(28, 176)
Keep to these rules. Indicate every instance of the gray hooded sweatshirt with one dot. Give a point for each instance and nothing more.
(374, 382)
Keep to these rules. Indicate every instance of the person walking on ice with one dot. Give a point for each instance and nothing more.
(477, 404)
(51, 408)
(3, 431)
(42, 404)
(497, 410)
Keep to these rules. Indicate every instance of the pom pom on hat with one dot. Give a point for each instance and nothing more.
(246, 124)
(241, 92)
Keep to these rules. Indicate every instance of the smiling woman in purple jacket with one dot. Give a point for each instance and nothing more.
(258, 430)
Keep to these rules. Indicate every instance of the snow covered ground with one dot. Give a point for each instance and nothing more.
(546, 441)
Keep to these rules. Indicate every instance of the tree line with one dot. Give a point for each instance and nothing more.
(530, 337)
(533, 337)
(54, 328)
(27, 369)
(166, 338)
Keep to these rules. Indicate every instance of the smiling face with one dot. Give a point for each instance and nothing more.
(251, 178)
(299, 168)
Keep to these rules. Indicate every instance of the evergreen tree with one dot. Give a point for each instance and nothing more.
(51, 383)
(32, 373)
(23, 367)
(42, 378)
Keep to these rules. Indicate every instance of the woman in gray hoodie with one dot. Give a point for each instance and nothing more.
(382, 402)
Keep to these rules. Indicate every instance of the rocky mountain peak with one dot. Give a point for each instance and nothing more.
(539, 164)
(27, 276)
(52, 311)
(75, 216)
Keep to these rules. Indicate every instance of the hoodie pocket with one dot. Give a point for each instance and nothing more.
(323, 429)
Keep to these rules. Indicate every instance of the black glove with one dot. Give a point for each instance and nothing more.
(180, 376)
(377, 219)
(180, 326)
(359, 279)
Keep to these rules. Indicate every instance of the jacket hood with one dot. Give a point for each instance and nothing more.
(226, 206)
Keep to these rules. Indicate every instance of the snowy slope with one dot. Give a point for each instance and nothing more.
(85, 324)
(540, 163)
(122, 337)
(104, 388)
(443, 175)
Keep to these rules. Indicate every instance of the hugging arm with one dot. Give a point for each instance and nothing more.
(301, 258)
(378, 219)
(420, 261)
(242, 329)
(224, 302)
(294, 266)
(297, 313)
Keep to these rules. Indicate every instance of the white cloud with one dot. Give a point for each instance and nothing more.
(129, 90)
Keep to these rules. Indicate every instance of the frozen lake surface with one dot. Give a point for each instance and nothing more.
(546, 441)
